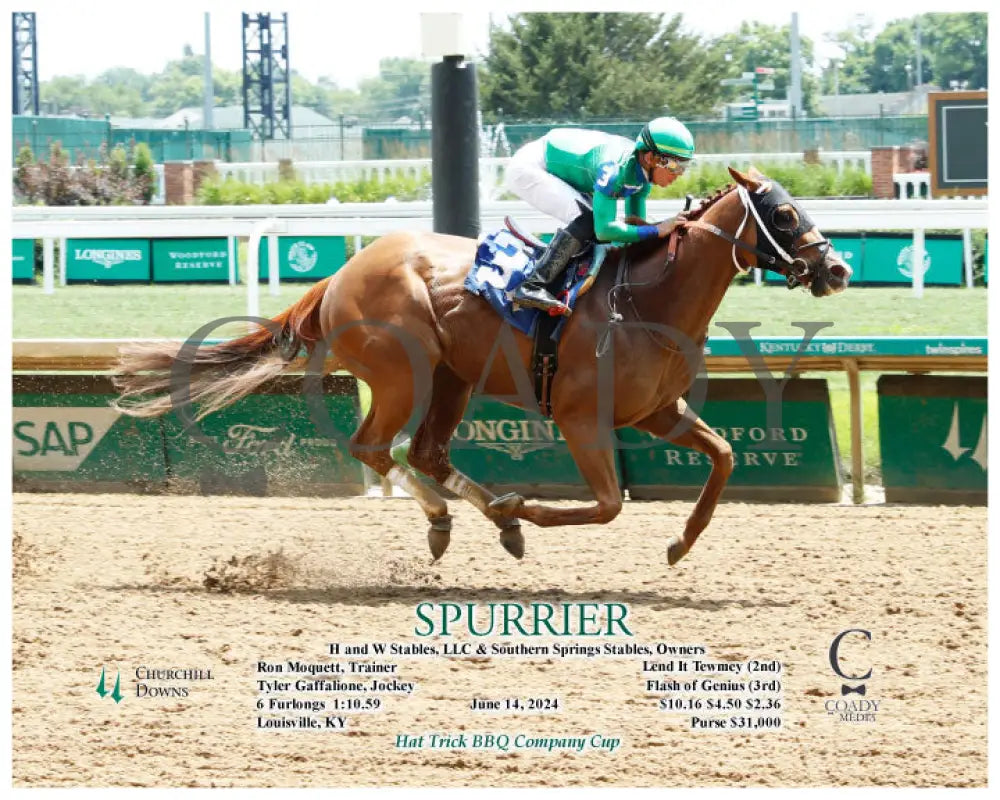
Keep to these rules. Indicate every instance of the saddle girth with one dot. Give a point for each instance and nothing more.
(545, 361)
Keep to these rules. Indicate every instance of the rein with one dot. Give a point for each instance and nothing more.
(615, 318)
(796, 267)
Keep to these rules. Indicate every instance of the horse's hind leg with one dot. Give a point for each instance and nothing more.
(698, 436)
(370, 445)
(429, 453)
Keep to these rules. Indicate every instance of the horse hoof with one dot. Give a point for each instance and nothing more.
(508, 503)
(513, 541)
(676, 550)
(439, 535)
(438, 541)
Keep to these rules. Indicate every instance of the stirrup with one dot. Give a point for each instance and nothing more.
(555, 307)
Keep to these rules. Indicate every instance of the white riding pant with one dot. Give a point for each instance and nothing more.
(527, 177)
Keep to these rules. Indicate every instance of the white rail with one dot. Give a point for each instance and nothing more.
(51, 223)
(369, 219)
(912, 184)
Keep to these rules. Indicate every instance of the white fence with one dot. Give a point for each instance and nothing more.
(912, 184)
(51, 224)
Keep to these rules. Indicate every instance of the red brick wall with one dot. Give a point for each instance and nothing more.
(179, 179)
(885, 163)
(202, 170)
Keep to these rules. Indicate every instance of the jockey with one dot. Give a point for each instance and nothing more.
(559, 173)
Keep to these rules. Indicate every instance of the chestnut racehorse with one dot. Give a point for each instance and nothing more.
(397, 317)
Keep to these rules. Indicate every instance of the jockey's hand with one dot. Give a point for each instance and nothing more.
(665, 228)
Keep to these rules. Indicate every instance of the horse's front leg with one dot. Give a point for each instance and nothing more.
(596, 461)
(678, 424)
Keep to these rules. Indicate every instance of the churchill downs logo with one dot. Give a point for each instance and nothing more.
(904, 262)
(515, 437)
(302, 256)
(952, 444)
(853, 704)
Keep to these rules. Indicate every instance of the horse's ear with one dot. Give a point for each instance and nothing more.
(749, 181)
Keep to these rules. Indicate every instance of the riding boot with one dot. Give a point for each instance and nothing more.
(532, 293)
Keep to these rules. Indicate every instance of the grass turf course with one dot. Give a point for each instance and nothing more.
(176, 311)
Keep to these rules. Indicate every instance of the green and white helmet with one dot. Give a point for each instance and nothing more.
(667, 136)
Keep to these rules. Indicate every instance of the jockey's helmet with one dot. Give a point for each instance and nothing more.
(666, 136)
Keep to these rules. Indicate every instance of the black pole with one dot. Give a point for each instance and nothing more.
(455, 147)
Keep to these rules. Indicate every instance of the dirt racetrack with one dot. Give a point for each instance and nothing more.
(121, 583)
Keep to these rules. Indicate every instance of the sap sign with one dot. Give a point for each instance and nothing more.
(57, 438)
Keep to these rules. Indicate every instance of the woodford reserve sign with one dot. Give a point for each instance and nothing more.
(788, 452)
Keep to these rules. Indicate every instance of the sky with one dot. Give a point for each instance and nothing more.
(345, 41)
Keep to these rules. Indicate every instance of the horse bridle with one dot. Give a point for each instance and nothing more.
(765, 202)
(795, 270)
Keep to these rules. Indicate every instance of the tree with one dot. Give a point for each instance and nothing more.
(339, 101)
(757, 45)
(66, 94)
(402, 88)
(958, 47)
(953, 48)
(180, 85)
(849, 74)
(893, 59)
(559, 65)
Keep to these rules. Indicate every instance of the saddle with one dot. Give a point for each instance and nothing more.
(504, 260)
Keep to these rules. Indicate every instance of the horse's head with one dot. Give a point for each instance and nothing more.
(787, 234)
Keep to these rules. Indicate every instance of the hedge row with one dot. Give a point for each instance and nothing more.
(231, 192)
(801, 180)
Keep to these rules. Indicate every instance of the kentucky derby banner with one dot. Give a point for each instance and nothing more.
(796, 459)
(933, 438)
(107, 260)
(190, 260)
(305, 257)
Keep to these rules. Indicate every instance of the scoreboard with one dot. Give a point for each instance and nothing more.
(957, 139)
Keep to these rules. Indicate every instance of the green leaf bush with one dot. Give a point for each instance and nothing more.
(229, 191)
(801, 180)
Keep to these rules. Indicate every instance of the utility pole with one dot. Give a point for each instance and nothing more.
(208, 92)
(795, 85)
(920, 70)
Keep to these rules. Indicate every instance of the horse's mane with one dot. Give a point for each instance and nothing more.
(710, 201)
(646, 246)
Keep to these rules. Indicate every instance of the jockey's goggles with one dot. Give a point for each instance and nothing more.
(671, 164)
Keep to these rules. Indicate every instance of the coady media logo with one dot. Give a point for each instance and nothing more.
(853, 704)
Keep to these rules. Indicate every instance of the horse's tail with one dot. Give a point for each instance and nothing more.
(219, 374)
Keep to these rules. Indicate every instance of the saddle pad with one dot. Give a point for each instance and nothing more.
(503, 262)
